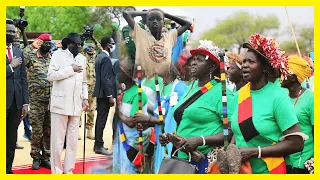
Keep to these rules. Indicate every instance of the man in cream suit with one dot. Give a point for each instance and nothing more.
(68, 97)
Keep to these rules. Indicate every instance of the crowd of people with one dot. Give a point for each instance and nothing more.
(224, 112)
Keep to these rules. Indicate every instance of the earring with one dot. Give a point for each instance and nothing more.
(210, 75)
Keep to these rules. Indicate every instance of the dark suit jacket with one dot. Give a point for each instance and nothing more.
(105, 77)
(17, 85)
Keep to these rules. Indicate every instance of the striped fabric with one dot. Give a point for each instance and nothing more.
(276, 165)
(134, 155)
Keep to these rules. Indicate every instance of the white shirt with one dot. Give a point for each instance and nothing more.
(11, 54)
(106, 52)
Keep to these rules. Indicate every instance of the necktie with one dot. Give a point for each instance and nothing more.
(9, 54)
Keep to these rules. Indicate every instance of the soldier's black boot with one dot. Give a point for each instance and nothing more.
(35, 164)
(46, 164)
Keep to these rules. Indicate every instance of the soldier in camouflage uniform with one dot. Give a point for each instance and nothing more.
(91, 78)
(37, 62)
(32, 48)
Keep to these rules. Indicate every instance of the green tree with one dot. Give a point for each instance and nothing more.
(60, 20)
(235, 29)
(305, 39)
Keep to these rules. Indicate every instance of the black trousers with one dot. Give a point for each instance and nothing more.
(103, 108)
(12, 124)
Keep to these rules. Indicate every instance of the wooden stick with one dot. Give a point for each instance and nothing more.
(294, 36)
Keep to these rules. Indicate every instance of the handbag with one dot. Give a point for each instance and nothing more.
(175, 165)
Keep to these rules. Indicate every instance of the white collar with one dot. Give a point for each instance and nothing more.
(106, 52)
(10, 46)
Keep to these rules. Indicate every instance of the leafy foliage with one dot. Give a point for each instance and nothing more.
(235, 29)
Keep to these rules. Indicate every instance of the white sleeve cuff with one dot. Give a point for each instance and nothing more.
(11, 68)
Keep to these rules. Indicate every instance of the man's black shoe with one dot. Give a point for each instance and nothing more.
(102, 150)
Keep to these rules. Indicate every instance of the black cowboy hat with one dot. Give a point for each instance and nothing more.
(250, 47)
(72, 37)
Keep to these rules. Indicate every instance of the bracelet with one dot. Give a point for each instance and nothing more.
(259, 155)
(203, 141)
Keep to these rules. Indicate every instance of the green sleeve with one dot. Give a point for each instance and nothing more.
(230, 104)
(311, 109)
(135, 107)
(284, 113)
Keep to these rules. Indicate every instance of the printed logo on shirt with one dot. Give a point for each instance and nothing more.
(158, 53)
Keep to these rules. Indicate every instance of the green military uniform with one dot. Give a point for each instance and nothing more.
(39, 95)
(91, 79)
(30, 49)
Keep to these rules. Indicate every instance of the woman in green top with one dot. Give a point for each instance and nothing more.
(303, 101)
(126, 143)
(263, 112)
(199, 117)
(234, 72)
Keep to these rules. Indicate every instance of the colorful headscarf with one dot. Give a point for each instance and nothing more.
(300, 67)
(270, 50)
(233, 57)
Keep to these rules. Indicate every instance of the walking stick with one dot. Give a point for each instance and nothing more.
(223, 69)
(84, 142)
(139, 75)
(295, 40)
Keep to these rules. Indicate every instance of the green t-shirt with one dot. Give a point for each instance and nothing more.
(305, 114)
(277, 82)
(272, 114)
(204, 116)
(167, 89)
(311, 83)
(131, 97)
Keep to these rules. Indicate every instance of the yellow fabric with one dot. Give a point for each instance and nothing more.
(299, 67)
(273, 162)
(244, 93)
(122, 138)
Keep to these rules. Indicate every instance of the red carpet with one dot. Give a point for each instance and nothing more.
(93, 165)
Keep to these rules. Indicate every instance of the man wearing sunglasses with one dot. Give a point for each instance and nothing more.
(16, 93)
(104, 91)
(69, 96)
(37, 63)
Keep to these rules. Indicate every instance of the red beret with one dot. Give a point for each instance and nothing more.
(45, 37)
